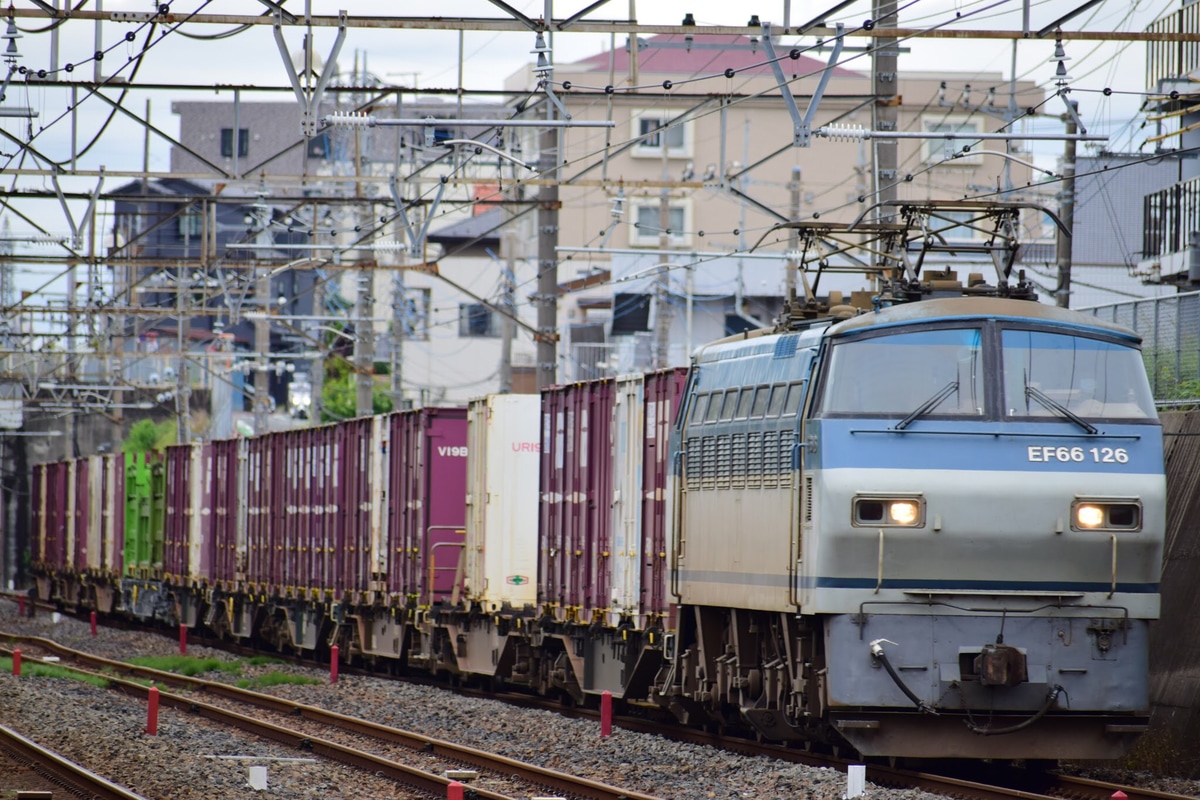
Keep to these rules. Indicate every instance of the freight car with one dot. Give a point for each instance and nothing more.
(933, 530)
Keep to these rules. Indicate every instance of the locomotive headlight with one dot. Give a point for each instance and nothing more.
(903, 512)
(1116, 514)
(1089, 516)
(883, 511)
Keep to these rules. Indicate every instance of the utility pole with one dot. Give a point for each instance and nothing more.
(547, 283)
(262, 322)
(364, 346)
(793, 251)
(662, 281)
(1062, 291)
(508, 328)
(883, 86)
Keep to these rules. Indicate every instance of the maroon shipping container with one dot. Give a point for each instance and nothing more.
(427, 486)
(54, 514)
(179, 511)
(662, 392)
(353, 532)
(309, 503)
(78, 499)
(575, 526)
(221, 460)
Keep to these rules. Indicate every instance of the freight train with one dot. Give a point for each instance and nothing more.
(930, 530)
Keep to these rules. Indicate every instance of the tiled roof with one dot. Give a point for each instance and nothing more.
(703, 58)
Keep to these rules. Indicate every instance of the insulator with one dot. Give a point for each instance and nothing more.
(844, 133)
(349, 119)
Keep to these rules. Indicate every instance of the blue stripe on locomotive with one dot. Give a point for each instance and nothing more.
(993, 446)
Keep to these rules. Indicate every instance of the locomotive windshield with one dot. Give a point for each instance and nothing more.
(1087, 377)
(936, 372)
(941, 372)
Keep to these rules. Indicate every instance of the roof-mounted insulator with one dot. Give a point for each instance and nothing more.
(843, 133)
(349, 119)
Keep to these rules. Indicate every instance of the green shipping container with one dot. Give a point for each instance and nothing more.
(145, 514)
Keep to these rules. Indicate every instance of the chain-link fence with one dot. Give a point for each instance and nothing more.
(1170, 331)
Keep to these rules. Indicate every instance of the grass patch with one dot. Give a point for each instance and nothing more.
(276, 679)
(39, 670)
(188, 666)
(262, 661)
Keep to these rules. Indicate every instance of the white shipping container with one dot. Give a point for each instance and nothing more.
(503, 448)
(94, 511)
(628, 434)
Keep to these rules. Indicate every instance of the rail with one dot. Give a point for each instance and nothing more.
(53, 764)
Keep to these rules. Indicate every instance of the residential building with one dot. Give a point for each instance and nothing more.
(724, 146)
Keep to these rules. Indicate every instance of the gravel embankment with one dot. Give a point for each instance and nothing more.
(103, 729)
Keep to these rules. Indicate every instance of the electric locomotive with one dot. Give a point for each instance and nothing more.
(931, 530)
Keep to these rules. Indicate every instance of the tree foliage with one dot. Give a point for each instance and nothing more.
(339, 396)
(147, 436)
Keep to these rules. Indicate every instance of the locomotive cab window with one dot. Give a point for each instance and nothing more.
(933, 372)
(1047, 374)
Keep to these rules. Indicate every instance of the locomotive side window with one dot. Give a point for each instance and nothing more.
(729, 405)
(776, 403)
(791, 405)
(714, 407)
(698, 405)
(1088, 377)
(934, 372)
(743, 408)
(760, 401)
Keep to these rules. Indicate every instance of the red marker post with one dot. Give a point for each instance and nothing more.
(605, 714)
(455, 791)
(21, 606)
(152, 712)
(93, 623)
(1119, 795)
(17, 663)
(333, 664)
(182, 639)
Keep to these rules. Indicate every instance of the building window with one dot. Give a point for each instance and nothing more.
(477, 320)
(243, 147)
(652, 131)
(630, 313)
(318, 146)
(191, 225)
(938, 150)
(647, 222)
(414, 313)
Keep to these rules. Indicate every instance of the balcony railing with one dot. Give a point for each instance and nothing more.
(1168, 60)
(1168, 218)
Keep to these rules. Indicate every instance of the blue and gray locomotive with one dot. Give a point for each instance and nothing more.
(931, 530)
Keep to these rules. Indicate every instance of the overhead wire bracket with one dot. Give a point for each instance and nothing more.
(309, 99)
(802, 126)
(416, 240)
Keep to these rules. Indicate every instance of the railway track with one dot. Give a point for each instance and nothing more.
(494, 777)
(33, 768)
